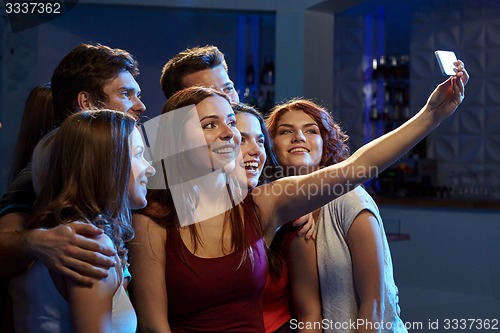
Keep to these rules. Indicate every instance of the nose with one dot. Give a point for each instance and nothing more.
(226, 133)
(150, 170)
(139, 106)
(233, 96)
(299, 136)
(254, 149)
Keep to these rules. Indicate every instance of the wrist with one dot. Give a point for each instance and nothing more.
(30, 243)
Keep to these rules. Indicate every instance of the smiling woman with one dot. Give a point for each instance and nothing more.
(211, 260)
(199, 264)
(97, 173)
(354, 259)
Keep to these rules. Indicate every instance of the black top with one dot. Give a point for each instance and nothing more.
(20, 194)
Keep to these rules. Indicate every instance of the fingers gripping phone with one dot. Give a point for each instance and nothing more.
(446, 60)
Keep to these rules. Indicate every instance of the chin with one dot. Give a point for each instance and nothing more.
(229, 167)
(138, 203)
(252, 183)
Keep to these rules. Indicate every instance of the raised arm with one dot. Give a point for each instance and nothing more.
(290, 197)
(148, 289)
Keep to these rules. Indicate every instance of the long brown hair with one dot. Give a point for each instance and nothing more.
(160, 207)
(89, 175)
(38, 119)
(335, 148)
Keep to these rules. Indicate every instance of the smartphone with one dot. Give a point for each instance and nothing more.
(445, 60)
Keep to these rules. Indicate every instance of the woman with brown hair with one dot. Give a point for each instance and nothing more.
(354, 260)
(38, 120)
(200, 242)
(97, 174)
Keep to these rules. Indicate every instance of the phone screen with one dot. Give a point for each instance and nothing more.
(446, 60)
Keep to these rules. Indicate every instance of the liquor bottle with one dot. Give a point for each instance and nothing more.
(250, 73)
(267, 72)
(268, 102)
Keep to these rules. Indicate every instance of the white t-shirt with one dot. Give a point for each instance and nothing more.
(338, 291)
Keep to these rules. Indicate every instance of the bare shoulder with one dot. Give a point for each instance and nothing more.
(104, 239)
(143, 225)
(149, 241)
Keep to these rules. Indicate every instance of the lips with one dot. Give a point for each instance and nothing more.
(251, 165)
(298, 150)
(135, 115)
(223, 149)
(227, 150)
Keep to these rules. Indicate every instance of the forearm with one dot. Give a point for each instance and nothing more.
(377, 155)
(370, 316)
(15, 252)
(307, 193)
(310, 323)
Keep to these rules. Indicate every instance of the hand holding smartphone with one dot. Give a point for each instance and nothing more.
(445, 60)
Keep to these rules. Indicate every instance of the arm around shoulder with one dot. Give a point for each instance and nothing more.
(15, 254)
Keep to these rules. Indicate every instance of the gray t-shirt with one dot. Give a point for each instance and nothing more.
(338, 291)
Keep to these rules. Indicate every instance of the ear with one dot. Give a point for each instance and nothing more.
(83, 100)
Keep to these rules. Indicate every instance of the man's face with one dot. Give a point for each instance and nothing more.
(216, 78)
(124, 95)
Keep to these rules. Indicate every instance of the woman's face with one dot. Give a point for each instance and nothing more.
(252, 147)
(213, 138)
(139, 172)
(298, 141)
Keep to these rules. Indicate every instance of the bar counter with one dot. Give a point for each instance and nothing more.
(474, 203)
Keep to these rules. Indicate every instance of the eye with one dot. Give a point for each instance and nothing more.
(312, 131)
(228, 89)
(232, 123)
(261, 141)
(208, 126)
(283, 132)
(139, 153)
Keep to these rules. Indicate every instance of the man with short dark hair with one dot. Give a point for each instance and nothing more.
(198, 66)
(90, 76)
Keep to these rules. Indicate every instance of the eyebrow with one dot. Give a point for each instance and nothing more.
(217, 117)
(130, 90)
(248, 134)
(138, 148)
(305, 125)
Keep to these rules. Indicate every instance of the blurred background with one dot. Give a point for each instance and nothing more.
(371, 63)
